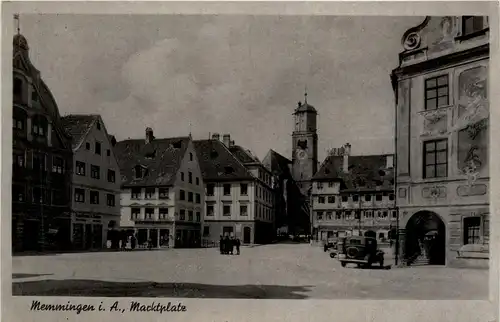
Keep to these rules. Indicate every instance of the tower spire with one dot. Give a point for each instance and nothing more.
(305, 95)
(189, 128)
(18, 24)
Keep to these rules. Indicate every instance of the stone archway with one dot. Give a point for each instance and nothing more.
(425, 241)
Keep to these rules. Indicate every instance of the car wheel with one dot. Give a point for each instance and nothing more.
(332, 255)
(343, 264)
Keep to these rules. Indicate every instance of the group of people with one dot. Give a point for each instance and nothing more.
(228, 244)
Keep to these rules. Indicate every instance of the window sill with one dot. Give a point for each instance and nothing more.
(472, 35)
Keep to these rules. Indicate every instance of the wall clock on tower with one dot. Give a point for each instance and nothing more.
(301, 154)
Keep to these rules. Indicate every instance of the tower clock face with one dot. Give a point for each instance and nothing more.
(301, 154)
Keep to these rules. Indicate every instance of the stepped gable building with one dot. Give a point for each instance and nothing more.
(163, 196)
(354, 195)
(238, 199)
(442, 141)
(42, 161)
(292, 217)
(95, 182)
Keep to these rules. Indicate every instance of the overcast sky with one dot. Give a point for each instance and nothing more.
(241, 75)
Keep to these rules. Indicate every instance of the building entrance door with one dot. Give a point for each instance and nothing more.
(247, 235)
(425, 241)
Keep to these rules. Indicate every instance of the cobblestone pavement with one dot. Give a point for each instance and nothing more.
(280, 271)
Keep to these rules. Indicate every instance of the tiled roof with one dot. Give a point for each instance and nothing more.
(162, 159)
(217, 163)
(366, 172)
(277, 164)
(244, 155)
(78, 126)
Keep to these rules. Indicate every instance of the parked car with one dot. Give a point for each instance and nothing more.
(330, 243)
(359, 250)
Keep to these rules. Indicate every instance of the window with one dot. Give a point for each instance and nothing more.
(111, 175)
(190, 196)
(18, 159)
(328, 215)
(472, 24)
(355, 198)
(227, 190)
(163, 213)
(190, 177)
(149, 213)
(190, 215)
(198, 198)
(321, 199)
(182, 176)
(98, 125)
(198, 216)
(472, 230)
(345, 198)
(87, 146)
(40, 196)
(182, 195)
(319, 215)
(348, 215)
(391, 196)
(190, 156)
(150, 193)
(18, 123)
(110, 200)
(368, 197)
(80, 168)
(331, 184)
(226, 210)
(139, 171)
(319, 185)
(58, 165)
(379, 214)
(338, 215)
(18, 193)
(381, 236)
(227, 231)
(206, 231)
(436, 92)
(385, 214)
(378, 197)
(243, 210)
(94, 197)
(95, 171)
(164, 193)
(98, 148)
(108, 152)
(39, 126)
(79, 195)
(331, 199)
(197, 181)
(244, 189)
(18, 88)
(39, 161)
(436, 159)
(210, 189)
(136, 193)
(210, 210)
(135, 213)
(34, 96)
(182, 215)
(357, 214)
(394, 214)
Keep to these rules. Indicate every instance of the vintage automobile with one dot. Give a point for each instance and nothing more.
(359, 250)
(329, 243)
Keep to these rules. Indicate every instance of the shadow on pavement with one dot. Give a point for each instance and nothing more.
(22, 275)
(151, 289)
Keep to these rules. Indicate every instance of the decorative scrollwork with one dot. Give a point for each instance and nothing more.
(411, 41)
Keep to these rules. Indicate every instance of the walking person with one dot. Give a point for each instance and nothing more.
(227, 245)
(238, 244)
(232, 245)
(221, 245)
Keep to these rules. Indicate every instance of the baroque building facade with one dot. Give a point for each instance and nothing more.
(354, 196)
(42, 161)
(239, 194)
(162, 191)
(442, 121)
(95, 204)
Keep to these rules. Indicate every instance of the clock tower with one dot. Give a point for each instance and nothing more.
(305, 145)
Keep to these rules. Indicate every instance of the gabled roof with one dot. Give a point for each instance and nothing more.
(244, 155)
(78, 126)
(161, 159)
(217, 163)
(366, 172)
(277, 164)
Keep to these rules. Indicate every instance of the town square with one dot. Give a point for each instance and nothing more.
(258, 157)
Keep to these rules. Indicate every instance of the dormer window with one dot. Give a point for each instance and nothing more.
(98, 125)
(472, 24)
(228, 170)
(177, 144)
(190, 157)
(140, 171)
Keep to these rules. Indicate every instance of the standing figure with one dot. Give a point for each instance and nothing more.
(227, 245)
(221, 245)
(232, 244)
(238, 244)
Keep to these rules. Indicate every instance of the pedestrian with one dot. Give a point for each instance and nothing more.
(238, 244)
(227, 245)
(221, 245)
(133, 242)
(232, 245)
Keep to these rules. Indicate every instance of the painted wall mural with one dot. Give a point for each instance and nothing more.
(472, 122)
(435, 122)
(403, 120)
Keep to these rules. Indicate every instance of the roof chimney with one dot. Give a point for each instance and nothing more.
(231, 143)
(389, 161)
(216, 136)
(226, 139)
(149, 135)
(347, 152)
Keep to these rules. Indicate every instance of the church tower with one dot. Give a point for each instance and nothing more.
(305, 145)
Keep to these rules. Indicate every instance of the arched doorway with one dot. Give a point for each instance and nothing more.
(247, 232)
(425, 240)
